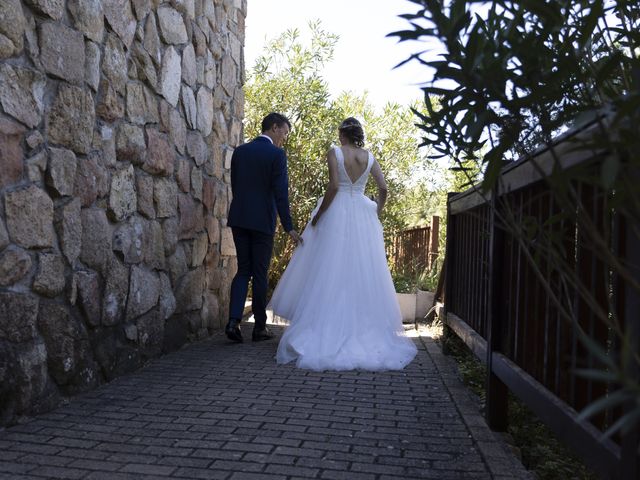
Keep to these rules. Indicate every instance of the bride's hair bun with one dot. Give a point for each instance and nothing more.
(352, 129)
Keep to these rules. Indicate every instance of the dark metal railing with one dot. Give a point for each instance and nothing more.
(523, 275)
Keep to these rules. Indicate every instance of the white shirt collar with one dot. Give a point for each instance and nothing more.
(266, 136)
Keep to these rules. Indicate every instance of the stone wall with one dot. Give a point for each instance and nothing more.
(116, 130)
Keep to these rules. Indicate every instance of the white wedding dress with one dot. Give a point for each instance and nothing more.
(337, 294)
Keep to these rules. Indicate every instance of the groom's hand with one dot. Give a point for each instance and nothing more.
(295, 237)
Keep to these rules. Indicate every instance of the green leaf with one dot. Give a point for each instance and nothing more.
(609, 401)
(598, 375)
(625, 424)
(595, 13)
(594, 348)
(494, 159)
(546, 11)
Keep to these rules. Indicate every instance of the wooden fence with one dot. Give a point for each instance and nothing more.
(507, 298)
(415, 250)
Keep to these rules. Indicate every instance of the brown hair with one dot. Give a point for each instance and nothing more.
(352, 129)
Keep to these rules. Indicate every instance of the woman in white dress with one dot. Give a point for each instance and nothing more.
(336, 293)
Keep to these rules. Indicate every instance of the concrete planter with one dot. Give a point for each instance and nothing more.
(407, 303)
(424, 300)
(414, 305)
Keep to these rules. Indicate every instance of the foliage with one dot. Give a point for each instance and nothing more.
(508, 77)
(411, 279)
(516, 73)
(288, 78)
(404, 283)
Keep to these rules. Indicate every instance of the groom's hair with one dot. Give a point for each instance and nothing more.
(274, 119)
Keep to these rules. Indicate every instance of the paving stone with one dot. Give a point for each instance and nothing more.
(218, 411)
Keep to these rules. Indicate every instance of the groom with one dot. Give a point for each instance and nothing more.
(260, 188)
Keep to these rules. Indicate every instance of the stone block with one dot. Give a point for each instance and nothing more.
(130, 144)
(67, 345)
(68, 225)
(170, 235)
(189, 71)
(12, 27)
(92, 179)
(190, 107)
(205, 111)
(114, 63)
(227, 247)
(142, 105)
(172, 26)
(95, 251)
(116, 289)
(165, 194)
(88, 17)
(51, 8)
(18, 317)
(92, 58)
(71, 118)
(123, 198)
(50, 279)
(144, 187)
(61, 171)
(161, 155)
(167, 301)
(30, 217)
(199, 251)
(120, 16)
(62, 52)
(190, 290)
(170, 76)
(11, 152)
(144, 291)
(15, 264)
(154, 246)
(21, 93)
(129, 240)
(197, 148)
(196, 183)
(110, 105)
(191, 217)
(151, 41)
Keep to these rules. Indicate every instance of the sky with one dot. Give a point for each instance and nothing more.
(363, 59)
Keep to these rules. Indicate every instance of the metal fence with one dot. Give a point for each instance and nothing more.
(506, 296)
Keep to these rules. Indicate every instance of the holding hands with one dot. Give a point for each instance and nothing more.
(297, 239)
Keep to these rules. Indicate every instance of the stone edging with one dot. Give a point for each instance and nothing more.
(496, 454)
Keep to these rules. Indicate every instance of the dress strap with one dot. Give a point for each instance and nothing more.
(339, 155)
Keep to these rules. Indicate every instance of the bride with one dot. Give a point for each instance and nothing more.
(337, 293)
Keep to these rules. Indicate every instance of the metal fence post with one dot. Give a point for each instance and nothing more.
(449, 259)
(630, 444)
(496, 391)
(434, 240)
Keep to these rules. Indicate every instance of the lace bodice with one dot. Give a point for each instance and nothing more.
(344, 182)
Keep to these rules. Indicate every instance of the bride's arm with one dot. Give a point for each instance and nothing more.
(376, 173)
(332, 187)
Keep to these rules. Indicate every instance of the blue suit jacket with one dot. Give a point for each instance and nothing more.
(260, 187)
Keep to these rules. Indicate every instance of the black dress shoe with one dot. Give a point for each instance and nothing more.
(233, 330)
(260, 335)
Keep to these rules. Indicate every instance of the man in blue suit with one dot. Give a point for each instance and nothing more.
(260, 189)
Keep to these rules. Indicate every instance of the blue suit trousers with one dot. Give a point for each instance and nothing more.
(253, 250)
